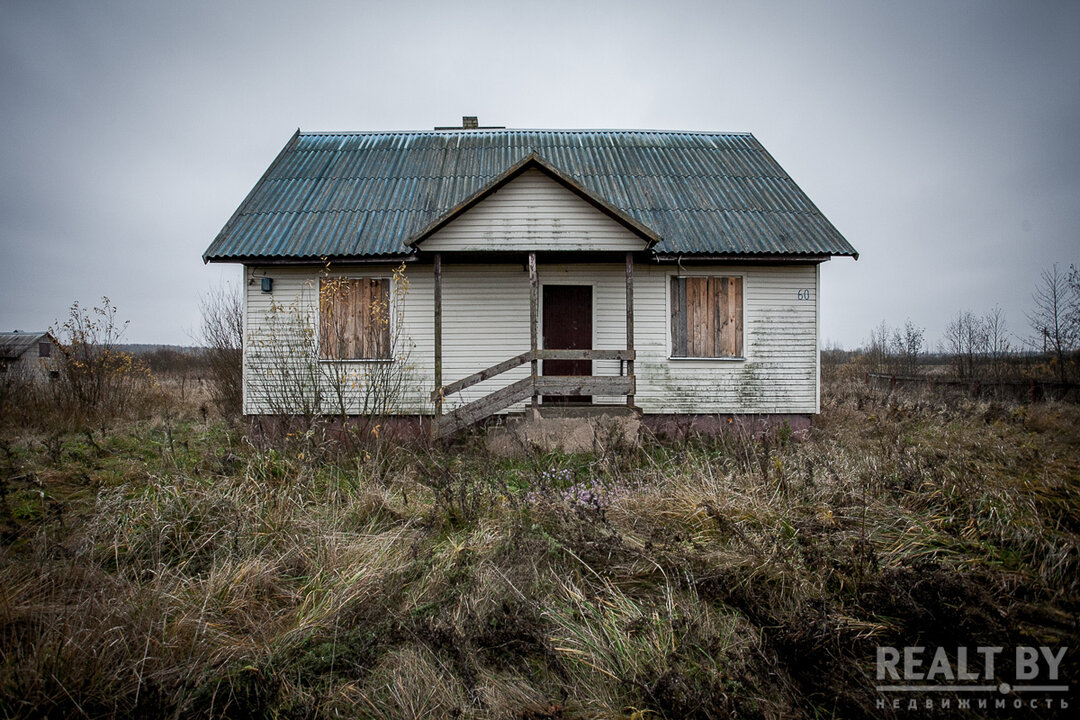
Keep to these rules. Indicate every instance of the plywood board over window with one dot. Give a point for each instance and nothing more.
(706, 317)
(354, 318)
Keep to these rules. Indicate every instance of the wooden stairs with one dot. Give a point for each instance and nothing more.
(534, 386)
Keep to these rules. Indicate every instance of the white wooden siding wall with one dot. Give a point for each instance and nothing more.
(533, 212)
(817, 338)
(779, 373)
(296, 290)
(486, 320)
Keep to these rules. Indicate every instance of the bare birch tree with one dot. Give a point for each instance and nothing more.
(996, 346)
(906, 348)
(1055, 319)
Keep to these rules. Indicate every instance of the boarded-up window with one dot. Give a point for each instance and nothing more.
(354, 318)
(44, 349)
(706, 317)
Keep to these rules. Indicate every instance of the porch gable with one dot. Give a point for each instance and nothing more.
(533, 211)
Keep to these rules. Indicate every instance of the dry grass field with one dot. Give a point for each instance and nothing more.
(161, 565)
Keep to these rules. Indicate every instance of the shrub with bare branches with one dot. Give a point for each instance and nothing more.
(19, 394)
(303, 363)
(97, 380)
(898, 350)
(222, 334)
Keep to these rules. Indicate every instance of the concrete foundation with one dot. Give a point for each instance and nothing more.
(572, 429)
(683, 427)
(569, 428)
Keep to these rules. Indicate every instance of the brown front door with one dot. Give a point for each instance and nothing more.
(567, 315)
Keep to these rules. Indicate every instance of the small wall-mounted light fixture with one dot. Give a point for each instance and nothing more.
(267, 284)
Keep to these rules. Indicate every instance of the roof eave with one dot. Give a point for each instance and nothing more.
(315, 260)
(247, 198)
(747, 258)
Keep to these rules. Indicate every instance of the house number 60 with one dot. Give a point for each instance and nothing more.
(804, 294)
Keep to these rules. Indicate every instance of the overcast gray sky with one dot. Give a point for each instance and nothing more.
(942, 138)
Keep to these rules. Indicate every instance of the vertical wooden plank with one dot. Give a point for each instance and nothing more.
(630, 318)
(338, 299)
(382, 291)
(337, 317)
(337, 303)
(691, 315)
(696, 316)
(376, 311)
(340, 327)
(727, 335)
(689, 289)
(723, 327)
(372, 317)
(712, 334)
(678, 316)
(339, 324)
(438, 333)
(702, 313)
(325, 350)
(360, 311)
(736, 302)
(388, 299)
(534, 324)
(322, 321)
(367, 314)
(334, 308)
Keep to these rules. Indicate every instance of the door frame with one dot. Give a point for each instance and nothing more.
(567, 281)
(591, 284)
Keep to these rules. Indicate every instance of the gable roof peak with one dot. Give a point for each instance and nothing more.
(534, 161)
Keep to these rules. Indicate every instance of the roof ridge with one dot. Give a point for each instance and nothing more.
(492, 131)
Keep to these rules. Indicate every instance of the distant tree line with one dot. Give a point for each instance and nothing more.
(982, 346)
(978, 345)
(898, 350)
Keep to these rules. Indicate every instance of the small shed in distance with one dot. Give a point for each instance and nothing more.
(34, 355)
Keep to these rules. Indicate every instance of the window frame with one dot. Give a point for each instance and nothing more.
(389, 329)
(669, 320)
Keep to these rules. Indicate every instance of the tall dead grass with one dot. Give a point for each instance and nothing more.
(189, 574)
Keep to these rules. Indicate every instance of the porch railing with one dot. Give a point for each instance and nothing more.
(533, 386)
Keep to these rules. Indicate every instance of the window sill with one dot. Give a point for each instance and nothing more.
(709, 359)
(357, 360)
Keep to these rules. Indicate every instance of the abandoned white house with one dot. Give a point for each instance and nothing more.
(31, 355)
(487, 269)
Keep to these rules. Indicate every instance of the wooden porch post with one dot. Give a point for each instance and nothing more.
(630, 318)
(438, 334)
(534, 324)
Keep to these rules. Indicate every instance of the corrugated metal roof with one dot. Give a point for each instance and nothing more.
(352, 195)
